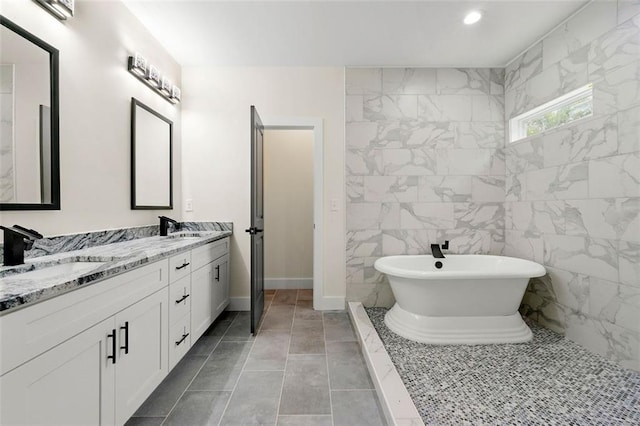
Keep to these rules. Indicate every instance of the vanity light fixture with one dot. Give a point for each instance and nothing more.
(61, 9)
(153, 78)
(472, 17)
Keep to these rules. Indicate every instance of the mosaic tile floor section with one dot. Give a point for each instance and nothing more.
(548, 381)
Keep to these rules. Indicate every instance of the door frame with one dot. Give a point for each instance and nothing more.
(314, 124)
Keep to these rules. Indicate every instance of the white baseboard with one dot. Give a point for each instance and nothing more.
(329, 303)
(239, 304)
(326, 303)
(288, 283)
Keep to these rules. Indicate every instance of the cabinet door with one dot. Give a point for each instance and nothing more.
(142, 360)
(72, 384)
(220, 285)
(201, 300)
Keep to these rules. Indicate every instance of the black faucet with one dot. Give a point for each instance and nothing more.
(164, 225)
(15, 244)
(436, 249)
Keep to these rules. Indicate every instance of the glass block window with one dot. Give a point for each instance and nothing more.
(558, 112)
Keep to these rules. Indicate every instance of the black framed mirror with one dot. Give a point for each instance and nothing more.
(151, 159)
(29, 128)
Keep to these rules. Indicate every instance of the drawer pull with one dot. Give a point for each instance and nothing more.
(126, 337)
(182, 298)
(184, 336)
(184, 265)
(218, 273)
(112, 357)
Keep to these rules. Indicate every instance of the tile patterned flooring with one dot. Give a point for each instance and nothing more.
(304, 367)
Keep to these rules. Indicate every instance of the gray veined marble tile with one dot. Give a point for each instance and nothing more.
(379, 295)
(627, 9)
(515, 189)
(372, 216)
(524, 67)
(496, 77)
(364, 243)
(545, 312)
(586, 26)
(395, 242)
(354, 108)
(525, 155)
(409, 81)
(360, 135)
(371, 275)
(615, 49)
(391, 188)
(629, 130)
(355, 189)
(628, 226)
(518, 244)
(629, 263)
(497, 162)
(409, 162)
(470, 241)
(563, 182)
(391, 107)
(618, 90)
(426, 216)
(616, 303)
(444, 107)
(479, 135)
(355, 270)
(363, 81)
(487, 188)
(463, 161)
(487, 215)
(444, 188)
(571, 289)
(604, 218)
(617, 176)
(425, 134)
(487, 108)
(583, 140)
(591, 256)
(364, 162)
(573, 69)
(463, 81)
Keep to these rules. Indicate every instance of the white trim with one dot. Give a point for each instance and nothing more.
(328, 303)
(315, 124)
(287, 283)
(239, 304)
(396, 402)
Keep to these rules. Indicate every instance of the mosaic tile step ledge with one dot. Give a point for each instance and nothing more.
(396, 402)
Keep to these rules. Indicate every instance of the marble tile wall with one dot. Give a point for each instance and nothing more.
(573, 194)
(424, 163)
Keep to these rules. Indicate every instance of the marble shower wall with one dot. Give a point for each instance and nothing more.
(424, 163)
(573, 194)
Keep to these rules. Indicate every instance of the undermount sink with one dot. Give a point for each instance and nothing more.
(61, 270)
(185, 235)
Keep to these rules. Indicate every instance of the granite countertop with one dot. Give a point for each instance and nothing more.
(19, 287)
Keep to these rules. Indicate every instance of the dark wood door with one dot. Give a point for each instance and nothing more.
(257, 221)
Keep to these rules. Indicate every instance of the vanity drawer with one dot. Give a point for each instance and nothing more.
(179, 340)
(208, 253)
(179, 299)
(179, 266)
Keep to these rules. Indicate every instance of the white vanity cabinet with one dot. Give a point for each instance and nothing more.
(209, 285)
(93, 355)
(115, 358)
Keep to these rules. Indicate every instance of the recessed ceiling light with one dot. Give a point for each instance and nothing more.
(472, 17)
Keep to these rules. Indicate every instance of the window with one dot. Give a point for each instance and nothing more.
(558, 112)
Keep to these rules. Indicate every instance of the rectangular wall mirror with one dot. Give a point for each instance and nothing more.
(29, 135)
(151, 158)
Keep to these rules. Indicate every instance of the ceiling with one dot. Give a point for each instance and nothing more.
(348, 33)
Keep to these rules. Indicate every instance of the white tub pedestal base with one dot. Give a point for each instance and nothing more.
(457, 330)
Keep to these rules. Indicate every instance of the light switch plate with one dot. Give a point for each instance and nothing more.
(334, 205)
(188, 205)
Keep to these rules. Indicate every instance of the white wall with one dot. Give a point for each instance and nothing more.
(217, 151)
(288, 205)
(95, 108)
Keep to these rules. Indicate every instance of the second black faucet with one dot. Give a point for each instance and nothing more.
(164, 225)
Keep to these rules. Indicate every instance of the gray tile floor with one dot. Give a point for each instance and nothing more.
(304, 367)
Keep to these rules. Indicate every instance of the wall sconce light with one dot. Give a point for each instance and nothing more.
(61, 9)
(152, 77)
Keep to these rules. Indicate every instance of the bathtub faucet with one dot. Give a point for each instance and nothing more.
(436, 249)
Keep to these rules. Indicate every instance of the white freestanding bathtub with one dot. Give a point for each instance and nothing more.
(470, 299)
